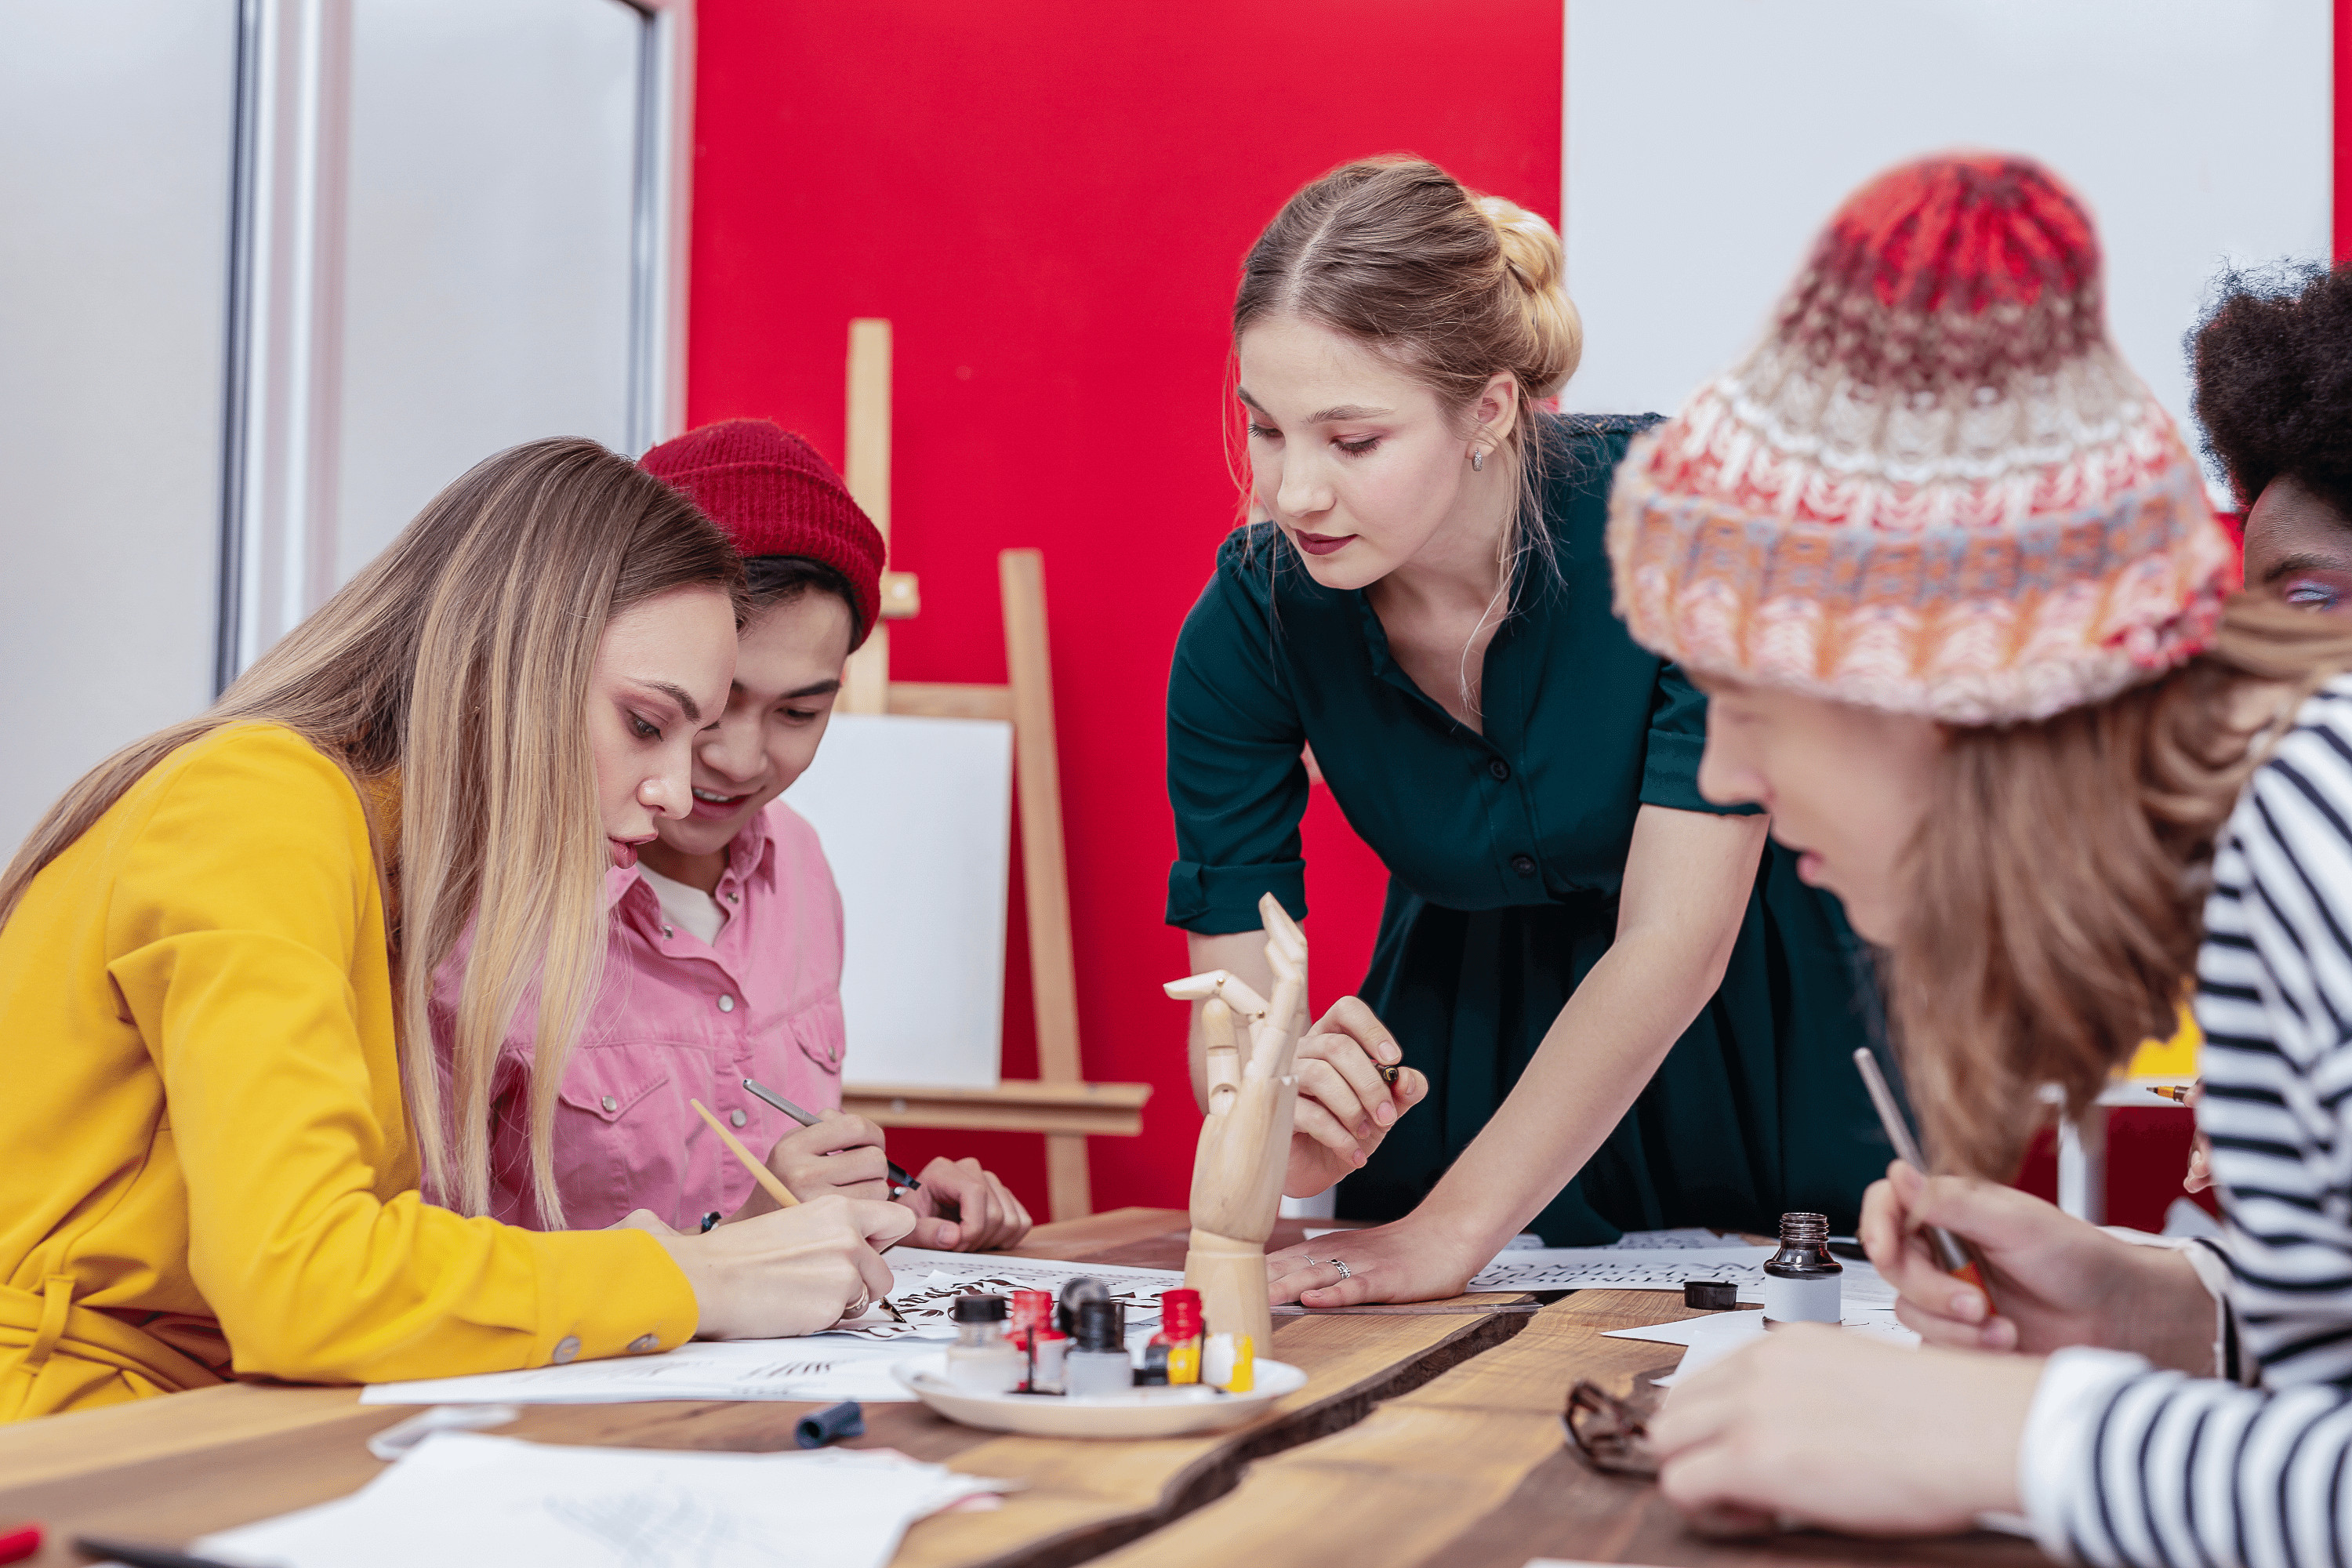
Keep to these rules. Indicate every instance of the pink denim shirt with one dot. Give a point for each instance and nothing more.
(676, 1020)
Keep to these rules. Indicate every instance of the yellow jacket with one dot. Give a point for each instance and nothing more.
(206, 1162)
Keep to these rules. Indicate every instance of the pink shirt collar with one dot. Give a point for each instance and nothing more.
(749, 853)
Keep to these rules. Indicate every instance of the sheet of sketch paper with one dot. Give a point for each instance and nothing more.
(1663, 1268)
(1711, 1336)
(463, 1497)
(830, 1368)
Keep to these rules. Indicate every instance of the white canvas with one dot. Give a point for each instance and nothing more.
(916, 819)
(1707, 141)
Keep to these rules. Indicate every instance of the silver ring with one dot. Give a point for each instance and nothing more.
(1342, 1265)
(865, 1299)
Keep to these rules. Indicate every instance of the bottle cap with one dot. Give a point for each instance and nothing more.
(1101, 1325)
(1710, 1295)
(1033, 1309)
(1085, 1288)
(979, 1309)
(1180, 1314)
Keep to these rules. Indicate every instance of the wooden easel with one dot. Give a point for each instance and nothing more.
(1059, 1102)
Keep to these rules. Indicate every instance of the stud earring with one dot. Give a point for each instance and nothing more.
(1477, 461)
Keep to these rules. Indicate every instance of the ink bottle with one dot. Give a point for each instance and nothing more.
(982, 1361)
(1033, 1315)
(1175, 1350)
(1802, 1283)
(1048, 1351)
(1097, 1362)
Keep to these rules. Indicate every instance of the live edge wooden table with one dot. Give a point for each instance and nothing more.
(1421, 1438)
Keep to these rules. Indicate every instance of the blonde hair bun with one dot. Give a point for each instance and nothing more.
(1538, 264)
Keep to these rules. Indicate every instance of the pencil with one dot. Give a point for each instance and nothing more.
(1951, 1252)
(899, 1176)
(760, 1173)
(2178, 1091)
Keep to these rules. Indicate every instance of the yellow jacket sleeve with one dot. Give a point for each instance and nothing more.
(242, 907)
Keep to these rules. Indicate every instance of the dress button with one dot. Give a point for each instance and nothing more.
(610, 1104)
(738, 1118)
(1525, 864)
(567, 1352)
(643, 1344)
(733, 899)
(1499, 768)
(667, 931)
(726, 1004)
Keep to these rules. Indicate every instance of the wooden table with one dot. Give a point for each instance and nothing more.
(170, 1469)
(1471, 1469)
(1418, 1440)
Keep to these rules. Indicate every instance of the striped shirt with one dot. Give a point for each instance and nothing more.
(2125, 1464)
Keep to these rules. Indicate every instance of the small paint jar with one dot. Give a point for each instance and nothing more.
(1802, 1283)
(982, 1361)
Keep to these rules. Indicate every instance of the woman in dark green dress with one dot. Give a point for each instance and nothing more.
(1618, 1006)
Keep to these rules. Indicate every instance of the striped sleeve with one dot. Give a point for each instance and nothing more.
(2124, 1464)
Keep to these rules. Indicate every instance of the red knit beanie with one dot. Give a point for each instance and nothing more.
(772, 495)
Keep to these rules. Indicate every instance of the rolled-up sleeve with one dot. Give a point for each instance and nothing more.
(1235, 781)
(1678, 741)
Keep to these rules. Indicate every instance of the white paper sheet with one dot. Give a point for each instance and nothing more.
(1711, 1336)
(1621, 1268)
(830, 1367)
(463, 1497)
(1661, 1268)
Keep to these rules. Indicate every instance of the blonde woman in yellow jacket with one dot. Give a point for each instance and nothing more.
(216, 952)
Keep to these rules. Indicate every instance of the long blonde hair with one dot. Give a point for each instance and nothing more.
(455, 667)
(2056, 886)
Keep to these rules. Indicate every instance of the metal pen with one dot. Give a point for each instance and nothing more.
(1952, 1254)
(898, 1177)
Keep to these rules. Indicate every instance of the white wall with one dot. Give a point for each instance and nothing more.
(493, 154)
(115, 120)
(1708, 140)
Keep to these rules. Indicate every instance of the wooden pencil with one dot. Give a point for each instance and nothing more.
(760, 1173)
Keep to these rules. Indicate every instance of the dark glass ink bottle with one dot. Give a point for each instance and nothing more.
(1802, 1283)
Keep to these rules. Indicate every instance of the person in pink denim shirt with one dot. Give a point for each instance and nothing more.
(725, 953)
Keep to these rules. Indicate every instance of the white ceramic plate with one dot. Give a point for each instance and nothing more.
(1143, 1413)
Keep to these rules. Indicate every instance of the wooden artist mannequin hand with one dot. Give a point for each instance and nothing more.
(2056, 1280)
(960, 1207)
(1345, 1108)
(788, 1271)
(1818, 1427)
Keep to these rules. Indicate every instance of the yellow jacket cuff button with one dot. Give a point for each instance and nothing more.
(567, 1350)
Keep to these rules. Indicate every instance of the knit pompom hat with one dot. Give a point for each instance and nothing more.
(772, 495)
(1934, 487)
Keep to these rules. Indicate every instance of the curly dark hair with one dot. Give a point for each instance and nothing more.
(2273, 362)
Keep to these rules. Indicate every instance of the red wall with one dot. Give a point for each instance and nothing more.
(1050, 200)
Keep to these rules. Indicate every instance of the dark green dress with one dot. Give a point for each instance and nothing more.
(1505, 852)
